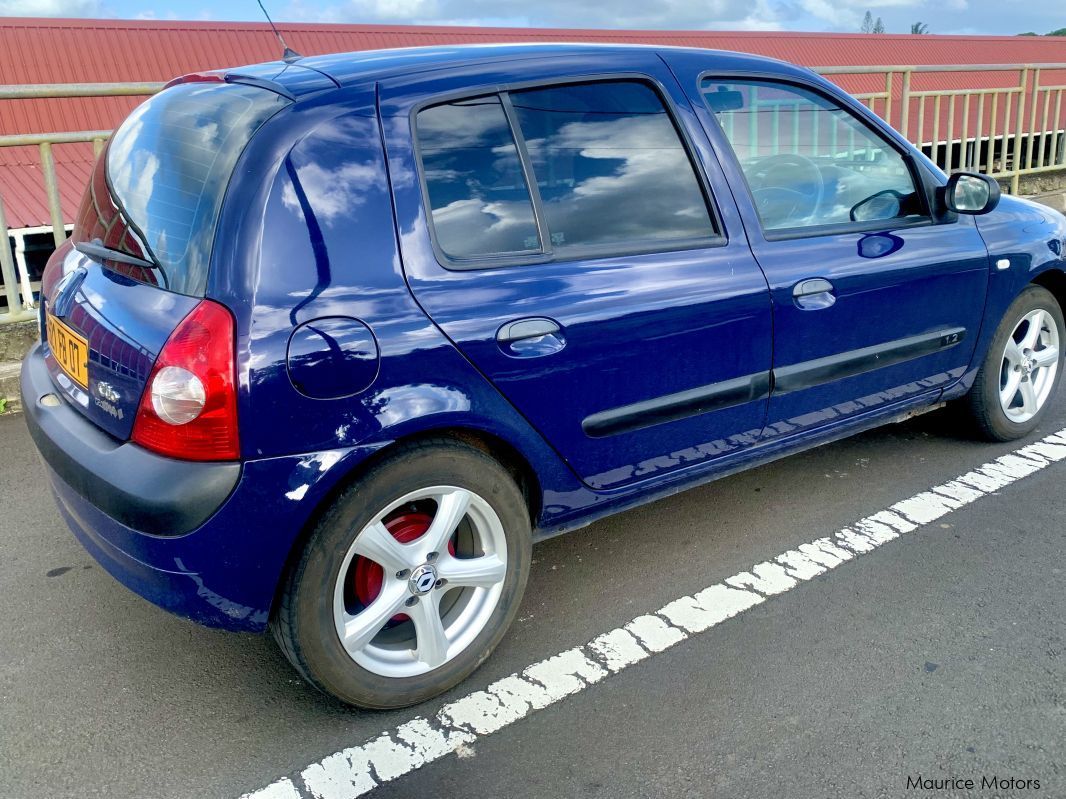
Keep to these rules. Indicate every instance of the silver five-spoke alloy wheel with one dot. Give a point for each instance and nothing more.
(1030, 364)
(435, 594)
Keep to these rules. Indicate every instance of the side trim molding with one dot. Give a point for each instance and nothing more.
(855, 362)
(671, 407)
(749, 388)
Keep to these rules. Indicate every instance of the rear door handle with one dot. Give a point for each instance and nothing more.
(530, 337)
(813, 294)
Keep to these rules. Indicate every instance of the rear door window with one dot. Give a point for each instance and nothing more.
(610, 174)
(166, 170)
(610, 166)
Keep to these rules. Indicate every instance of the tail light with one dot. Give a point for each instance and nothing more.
(189, 407)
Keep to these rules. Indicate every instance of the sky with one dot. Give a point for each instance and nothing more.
(942, 16)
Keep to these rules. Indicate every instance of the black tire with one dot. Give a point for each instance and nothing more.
(982, 404)
(303, 623)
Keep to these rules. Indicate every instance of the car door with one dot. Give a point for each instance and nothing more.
(561, 232)
(877, 300)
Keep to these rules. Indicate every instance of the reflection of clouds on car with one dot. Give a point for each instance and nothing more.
(624, 181)
(609, 165)
(136, 173)
(497, 225)
(332, 191)
(459, 125)
(480, 203)
(169, 164)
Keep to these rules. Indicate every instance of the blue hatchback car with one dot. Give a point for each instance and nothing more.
(336, 340)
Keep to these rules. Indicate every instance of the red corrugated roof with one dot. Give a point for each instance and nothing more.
(22, 184)
(80, 51)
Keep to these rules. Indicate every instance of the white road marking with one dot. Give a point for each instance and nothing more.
(355, 771)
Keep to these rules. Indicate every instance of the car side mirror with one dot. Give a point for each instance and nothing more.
(969, 193)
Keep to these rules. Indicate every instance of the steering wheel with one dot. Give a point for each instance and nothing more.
(786, 188)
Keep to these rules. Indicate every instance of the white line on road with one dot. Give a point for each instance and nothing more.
(357, 770)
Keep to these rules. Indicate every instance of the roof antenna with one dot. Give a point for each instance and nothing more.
(288, 55)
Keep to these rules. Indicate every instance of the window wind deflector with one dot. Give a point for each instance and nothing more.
(96, 249)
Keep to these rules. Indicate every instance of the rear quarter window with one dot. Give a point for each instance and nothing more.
(479, 201)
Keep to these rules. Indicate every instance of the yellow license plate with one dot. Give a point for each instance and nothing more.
(71, 350)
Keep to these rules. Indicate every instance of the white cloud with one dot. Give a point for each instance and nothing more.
(822, 9)
(720, 14)
(153, 15)
(942, 16)
(51, 8)
(762, 18)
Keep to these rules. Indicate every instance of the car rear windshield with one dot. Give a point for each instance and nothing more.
(165, 172)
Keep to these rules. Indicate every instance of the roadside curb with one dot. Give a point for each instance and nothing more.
(9, 387)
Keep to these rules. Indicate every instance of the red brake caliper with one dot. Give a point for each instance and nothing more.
(367, 575)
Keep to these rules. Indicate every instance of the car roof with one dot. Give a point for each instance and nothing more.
(370, 65)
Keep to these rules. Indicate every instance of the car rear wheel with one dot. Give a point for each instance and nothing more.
(410, 579)
(1022, 368)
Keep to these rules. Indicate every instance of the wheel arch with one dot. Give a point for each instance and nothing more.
(1054, 280)
(491, 444)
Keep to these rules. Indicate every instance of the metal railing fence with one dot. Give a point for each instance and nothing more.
(19, 290)
(978, 128)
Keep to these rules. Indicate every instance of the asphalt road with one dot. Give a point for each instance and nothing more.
(942, 653)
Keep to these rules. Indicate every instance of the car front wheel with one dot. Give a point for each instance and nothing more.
(1022, 368)
(410, 579)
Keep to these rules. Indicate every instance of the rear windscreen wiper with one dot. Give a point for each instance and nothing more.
(97, 249)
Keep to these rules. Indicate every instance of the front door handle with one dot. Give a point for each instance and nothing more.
(530, 337)
(813, 294)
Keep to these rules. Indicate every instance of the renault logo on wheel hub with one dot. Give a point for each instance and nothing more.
(423, 579)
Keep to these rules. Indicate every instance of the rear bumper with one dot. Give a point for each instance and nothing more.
(169, 572)
(224, 572)
(137, 488)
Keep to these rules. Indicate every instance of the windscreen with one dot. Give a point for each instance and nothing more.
(165, 172)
